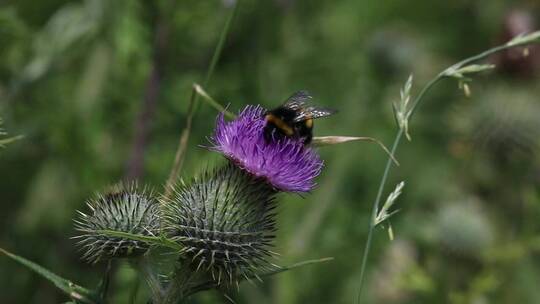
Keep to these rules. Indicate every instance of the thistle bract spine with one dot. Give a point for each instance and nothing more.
(225, 221)
(124, 209)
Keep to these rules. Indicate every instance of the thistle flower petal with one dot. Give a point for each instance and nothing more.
(124, 209)
(284, 163)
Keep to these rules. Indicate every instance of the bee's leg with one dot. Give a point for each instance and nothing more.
(308, 138)
(304, 131)
(269, 133)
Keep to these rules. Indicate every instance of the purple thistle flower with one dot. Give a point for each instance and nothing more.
(284, 163)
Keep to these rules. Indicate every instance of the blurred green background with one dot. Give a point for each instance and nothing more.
(100, 88)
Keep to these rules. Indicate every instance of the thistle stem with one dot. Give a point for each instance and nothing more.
(397, 140)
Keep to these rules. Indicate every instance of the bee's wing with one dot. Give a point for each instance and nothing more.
(297, 100)
(312, 112)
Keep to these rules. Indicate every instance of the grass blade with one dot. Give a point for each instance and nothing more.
(333, 140)
(532, 38)
(5, 141)
(154, 240)
(73, 290)
(212, 284)
(184, 138)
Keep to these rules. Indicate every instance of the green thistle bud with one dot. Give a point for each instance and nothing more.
(504, 123)
(124, 209)
(464, 229)
(225, 221)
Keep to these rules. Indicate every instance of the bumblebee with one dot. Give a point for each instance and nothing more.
(294, 118)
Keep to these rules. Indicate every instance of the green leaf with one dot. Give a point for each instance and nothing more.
(154, 240)
(459, 72)
(297, 265)
(522, 39)
(76, 292)
(213, 284)
(212, 102)
(5, 141)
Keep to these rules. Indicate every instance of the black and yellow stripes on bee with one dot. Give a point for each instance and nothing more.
(294, 118)
(280, 124)
(309, 123)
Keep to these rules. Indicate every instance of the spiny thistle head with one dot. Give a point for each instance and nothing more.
(504, 122)
(225, 222)
(464, 229)
(124, 209)
(285, 163)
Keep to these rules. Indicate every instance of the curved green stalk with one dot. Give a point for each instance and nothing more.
(516, 42)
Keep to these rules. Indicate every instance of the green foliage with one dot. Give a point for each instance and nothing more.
(5, 141)
(74, 291)
(73, 76)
